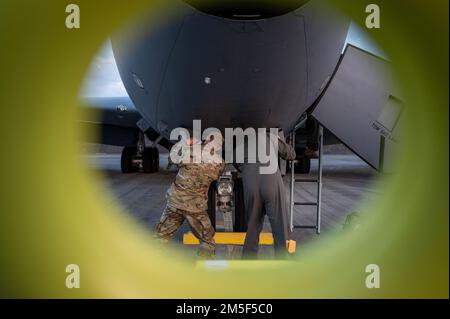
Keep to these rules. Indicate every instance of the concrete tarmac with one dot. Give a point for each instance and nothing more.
(346, 181)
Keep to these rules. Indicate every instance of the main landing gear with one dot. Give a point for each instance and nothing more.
(136, 157)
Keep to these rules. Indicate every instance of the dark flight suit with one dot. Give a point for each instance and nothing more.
(265, 194)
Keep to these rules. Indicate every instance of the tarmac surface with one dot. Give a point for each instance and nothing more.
(346, 181)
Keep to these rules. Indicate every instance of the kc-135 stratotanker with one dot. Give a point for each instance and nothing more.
(247, 66)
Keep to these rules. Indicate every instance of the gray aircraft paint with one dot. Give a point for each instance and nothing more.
(231, 73)
(358, 97)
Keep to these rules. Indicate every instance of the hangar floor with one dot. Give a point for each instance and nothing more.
(346, 181)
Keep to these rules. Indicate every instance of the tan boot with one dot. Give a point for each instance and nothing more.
(206, 252)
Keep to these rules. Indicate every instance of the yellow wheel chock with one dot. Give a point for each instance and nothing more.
(232, 238)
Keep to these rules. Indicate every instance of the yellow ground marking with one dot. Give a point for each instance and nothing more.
(231, 238)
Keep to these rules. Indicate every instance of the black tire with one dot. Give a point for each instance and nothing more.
(303, 165)
(240, 217)
(212, 204)
(156, 159)
(126, 160)
(150, 160)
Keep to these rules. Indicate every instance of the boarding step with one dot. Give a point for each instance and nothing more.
(317, 180)
(305, 204)
(306, 180)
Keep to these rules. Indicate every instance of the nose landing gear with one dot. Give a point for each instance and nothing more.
(226, 195)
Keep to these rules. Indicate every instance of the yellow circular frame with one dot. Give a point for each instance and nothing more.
(54, 213)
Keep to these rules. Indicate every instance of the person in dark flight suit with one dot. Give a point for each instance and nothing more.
(264, 194)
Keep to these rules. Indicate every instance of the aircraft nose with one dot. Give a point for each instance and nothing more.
(246, 10)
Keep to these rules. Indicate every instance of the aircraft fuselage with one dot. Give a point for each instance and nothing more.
(228, 72)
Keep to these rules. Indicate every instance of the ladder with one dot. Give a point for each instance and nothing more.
(317, 180)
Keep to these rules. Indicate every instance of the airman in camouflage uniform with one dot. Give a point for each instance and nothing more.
(187, 199)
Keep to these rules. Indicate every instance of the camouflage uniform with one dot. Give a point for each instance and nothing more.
(187, 198)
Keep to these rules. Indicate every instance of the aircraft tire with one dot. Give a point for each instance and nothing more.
(240, 218)
(150, 160)
(212, 204)
(155, 159)
(126, 160)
